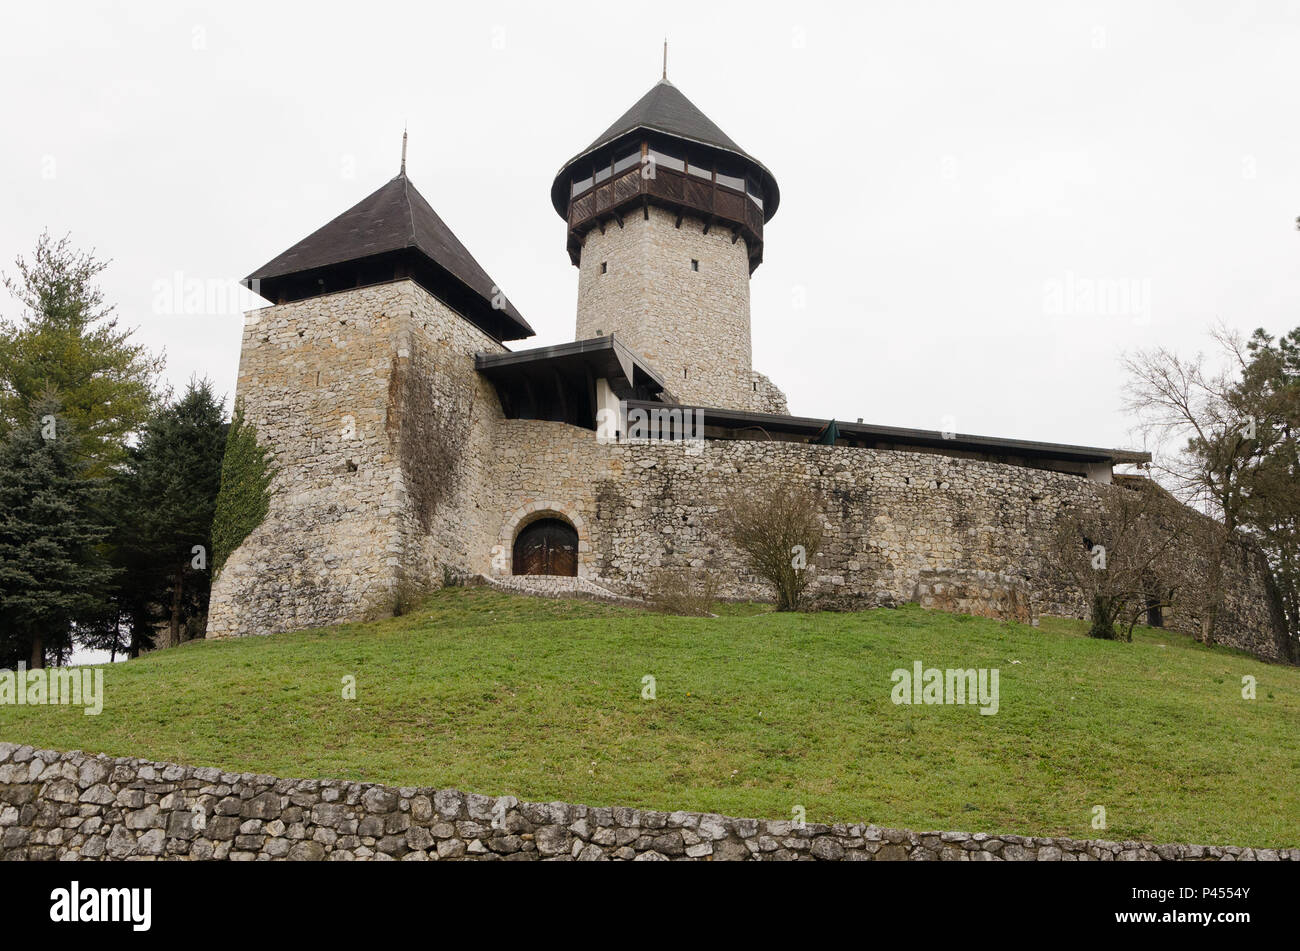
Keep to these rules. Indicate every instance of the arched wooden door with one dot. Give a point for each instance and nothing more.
(548, 546)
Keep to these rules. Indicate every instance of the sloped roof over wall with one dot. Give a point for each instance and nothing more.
(396, 220)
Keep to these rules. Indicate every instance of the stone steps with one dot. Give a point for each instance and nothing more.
(551, 586)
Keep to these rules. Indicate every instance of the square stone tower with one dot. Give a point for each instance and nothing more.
(360, 378)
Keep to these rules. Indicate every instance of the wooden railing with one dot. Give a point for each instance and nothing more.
(704, 197)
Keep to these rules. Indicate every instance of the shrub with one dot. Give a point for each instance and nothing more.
(778, 530)
(690, 592)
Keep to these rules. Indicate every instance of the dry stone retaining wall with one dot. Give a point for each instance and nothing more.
(72, 806)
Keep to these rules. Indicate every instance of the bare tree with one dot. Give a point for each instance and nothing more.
(778, 529)
(1118, 555)
(1212, 443)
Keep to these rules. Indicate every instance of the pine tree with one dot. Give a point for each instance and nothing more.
(179, 466)
(247, 471)
(68, 340)
(52, 572)
(162, 506)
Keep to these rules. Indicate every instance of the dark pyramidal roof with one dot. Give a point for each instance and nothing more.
(666, 110)
(396, 222)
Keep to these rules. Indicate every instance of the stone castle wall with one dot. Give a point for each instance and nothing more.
(73, 806)
(433, 477)
(958, 534)
(692, 326)
(370, 404)
(768, 397)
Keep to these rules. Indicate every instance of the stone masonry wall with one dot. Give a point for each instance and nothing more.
(960, 534)
(433, 478)
(768, 397)
(74, 806)
(692, 326)
(368, 400)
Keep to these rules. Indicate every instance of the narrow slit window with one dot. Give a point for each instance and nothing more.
(695, 265)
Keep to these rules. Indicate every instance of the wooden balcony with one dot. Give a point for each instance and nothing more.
(622, 194)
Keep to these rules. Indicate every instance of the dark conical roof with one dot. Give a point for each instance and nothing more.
(397, 220)
(666, 110)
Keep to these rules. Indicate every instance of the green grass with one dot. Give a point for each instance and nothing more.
(756, 713)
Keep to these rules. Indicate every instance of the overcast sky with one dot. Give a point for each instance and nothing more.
(983, 205)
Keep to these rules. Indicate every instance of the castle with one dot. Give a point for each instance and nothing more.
(412, 444)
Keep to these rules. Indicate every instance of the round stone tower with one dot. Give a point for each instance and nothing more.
(665, 219)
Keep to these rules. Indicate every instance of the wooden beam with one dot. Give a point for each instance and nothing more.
(529, 396)
(560, 401)
(591, 395)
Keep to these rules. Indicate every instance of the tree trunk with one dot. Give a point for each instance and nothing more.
(1104, 612)
(174, 632)
(1214, 593)
(38, 652)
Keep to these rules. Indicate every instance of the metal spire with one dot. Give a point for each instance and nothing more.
(403, 150)
(665, 57)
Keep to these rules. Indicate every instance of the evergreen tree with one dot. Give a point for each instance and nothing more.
(245, 497)
(68, 340)
(52, 572)
(162, 502)
(179, 466)
(1270, 389)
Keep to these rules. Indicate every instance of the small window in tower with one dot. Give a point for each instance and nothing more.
(695, 265)
(604, 266)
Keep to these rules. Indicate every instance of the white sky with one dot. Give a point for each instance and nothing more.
(954, 176)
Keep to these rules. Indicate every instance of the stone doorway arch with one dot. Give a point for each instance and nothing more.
(517, 523)
(546, 546)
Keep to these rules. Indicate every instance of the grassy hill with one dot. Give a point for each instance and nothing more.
(755, 713)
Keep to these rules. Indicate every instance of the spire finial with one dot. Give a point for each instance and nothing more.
(665, 57)
(403, 148)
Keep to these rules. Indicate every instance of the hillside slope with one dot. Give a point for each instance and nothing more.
(755, 714)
